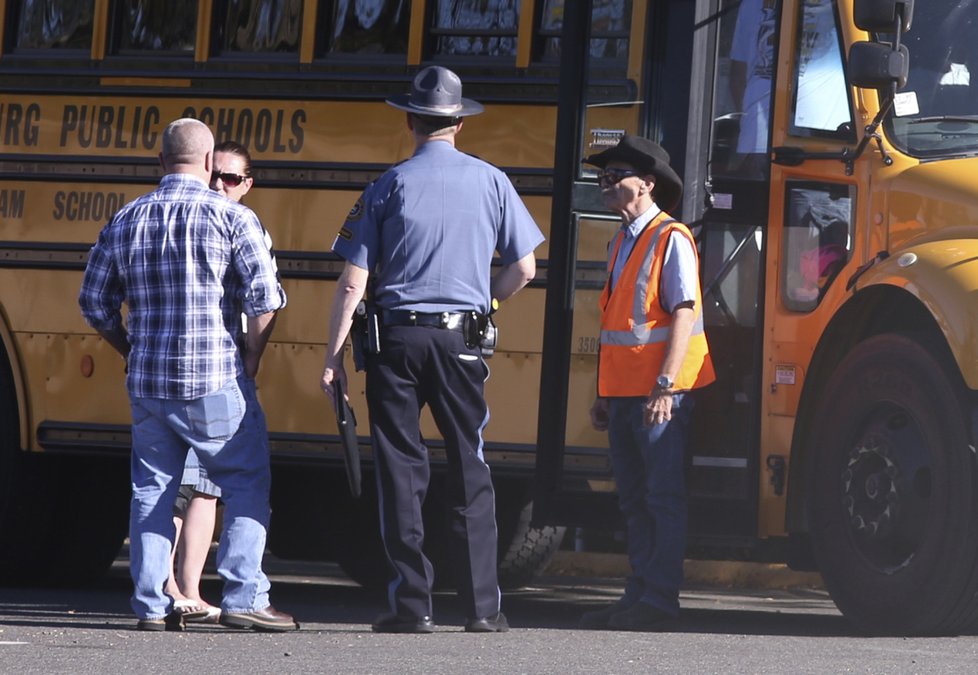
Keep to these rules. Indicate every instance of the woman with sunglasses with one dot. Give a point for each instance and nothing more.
(195, 511)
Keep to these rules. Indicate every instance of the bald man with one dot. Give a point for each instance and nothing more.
(187, 262)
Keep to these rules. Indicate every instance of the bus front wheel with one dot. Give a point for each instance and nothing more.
(893, 497)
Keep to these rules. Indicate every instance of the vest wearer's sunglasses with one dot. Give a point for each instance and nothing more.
(609, 177)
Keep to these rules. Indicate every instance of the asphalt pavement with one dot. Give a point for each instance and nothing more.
(721, 630)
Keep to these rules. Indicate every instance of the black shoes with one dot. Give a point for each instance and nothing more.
(620, 616)
(642, 617)
(491, 624)
(392, 623)
(268, 620)
(598, 619)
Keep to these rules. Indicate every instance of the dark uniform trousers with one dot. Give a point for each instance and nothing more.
(421, 365)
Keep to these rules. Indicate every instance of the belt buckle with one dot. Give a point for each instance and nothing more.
(450, 320)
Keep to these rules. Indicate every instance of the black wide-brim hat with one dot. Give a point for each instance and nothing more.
(649, 158)
(436, 92)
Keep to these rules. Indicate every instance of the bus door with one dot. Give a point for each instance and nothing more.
(726, 203)
(598, 104)
(811, 233)
(773, 240)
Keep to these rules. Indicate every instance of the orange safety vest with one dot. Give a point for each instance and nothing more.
(635, 328)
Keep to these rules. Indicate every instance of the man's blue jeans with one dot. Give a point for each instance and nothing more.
(227, 431)
(648, 466)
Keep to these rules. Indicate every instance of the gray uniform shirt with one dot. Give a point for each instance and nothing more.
(427, 229)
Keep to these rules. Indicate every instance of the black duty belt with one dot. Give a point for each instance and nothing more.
(406, 317)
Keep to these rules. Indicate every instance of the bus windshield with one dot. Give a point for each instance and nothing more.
(943, 52)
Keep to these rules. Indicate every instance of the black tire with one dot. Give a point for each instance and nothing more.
(62, 521)
(27, 496)
(523, 550)
(91, 520)
(363, 558)
(360, 551)
(314, 517)
(892, 499)
(527, 550)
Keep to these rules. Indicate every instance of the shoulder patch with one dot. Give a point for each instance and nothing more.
(355, 213)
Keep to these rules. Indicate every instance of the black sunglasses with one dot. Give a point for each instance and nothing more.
(609, 177)
(229, 179)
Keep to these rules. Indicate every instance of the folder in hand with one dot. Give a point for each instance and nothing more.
(346, 422)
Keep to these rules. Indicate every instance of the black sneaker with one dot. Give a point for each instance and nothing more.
(392, 623)
(598, 619)
(642, 617)
(490, 624)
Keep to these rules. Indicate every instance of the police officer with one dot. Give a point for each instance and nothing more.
(425, 233)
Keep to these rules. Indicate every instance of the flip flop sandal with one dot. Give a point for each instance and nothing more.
(189, 609)
(213, 617)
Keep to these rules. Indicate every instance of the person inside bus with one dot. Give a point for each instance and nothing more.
(426, 231)
(819, 264)
(751, 68)
(653, 353)
(169, 256)
(195, 511)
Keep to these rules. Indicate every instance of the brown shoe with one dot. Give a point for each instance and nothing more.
(174, 621)
(267, 620)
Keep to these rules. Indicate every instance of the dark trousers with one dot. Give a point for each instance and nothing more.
(648, 466)
(419, 366)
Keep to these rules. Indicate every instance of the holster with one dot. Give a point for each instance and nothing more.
(364, 334)
(480, 331)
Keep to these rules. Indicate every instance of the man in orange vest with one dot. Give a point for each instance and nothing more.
(653, 352)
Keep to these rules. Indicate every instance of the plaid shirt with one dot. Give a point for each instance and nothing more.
(187, 262)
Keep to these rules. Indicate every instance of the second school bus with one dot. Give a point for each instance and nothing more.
(828, 149)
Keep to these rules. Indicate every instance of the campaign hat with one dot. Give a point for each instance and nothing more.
(649, 158)
(436, 92)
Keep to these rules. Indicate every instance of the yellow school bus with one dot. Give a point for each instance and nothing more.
(827, 148)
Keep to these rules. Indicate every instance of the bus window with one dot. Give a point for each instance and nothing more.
(609, 30)
(944, 54)
(146, 25)
(357, 27)
(475, 27)
(745, 65)
(54, 24)
(258, 26)
(817, 241)
(821, 105)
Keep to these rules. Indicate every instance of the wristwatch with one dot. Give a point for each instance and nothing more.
(663, 382)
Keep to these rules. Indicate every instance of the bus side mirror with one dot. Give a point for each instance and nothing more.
(880, 16)
(875, 66)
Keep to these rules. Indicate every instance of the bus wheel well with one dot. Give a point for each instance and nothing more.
(874, 311)
(62, 519)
